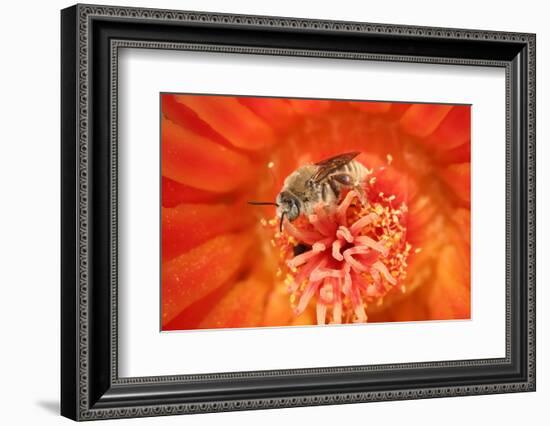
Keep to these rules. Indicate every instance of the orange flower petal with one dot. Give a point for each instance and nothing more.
(453, 131)
(422, 119)
(391, 182)
(274, 111)
(189, 225)
(457, 176)
(198, 162)
(308, 317)
(242, 306)
(174, 193)
(186, 117)
(429, 148)
(192, 275)
(372, 107)
(446, 294)
(278, 311)
(452, 286)
(309, 106)
(234, 121)
(411, 308)
(191, 316)
(398, 109)
(460, 154)
(461, 218)
(422, 212)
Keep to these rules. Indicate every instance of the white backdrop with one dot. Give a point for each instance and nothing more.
(29, 225)
(146, 352)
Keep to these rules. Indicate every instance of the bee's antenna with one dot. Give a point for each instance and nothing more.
(263, 203)
(281, 222)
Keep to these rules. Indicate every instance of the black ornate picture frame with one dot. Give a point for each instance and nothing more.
(90, 38)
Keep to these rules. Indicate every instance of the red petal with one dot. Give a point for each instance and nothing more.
(277, 309)
(234, 121)
(305, 318)
(372, 107)
(191, 316)
(242, 306)
(422, 119)
(275, 111)
(460, 154)
(453, 131)
(195, 161)
(309, 106)
(174, 193)
(422, 212)
(186, 117)
(189, 225)
(450, 298)
(398, 109)
(192, 275)
(461, 217)
(457, 176)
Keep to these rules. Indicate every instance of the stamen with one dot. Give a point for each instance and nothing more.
(345, 234)
(321, 313)
(358, 253)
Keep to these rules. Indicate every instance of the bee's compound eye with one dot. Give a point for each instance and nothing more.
(294, 209)
(284, 198)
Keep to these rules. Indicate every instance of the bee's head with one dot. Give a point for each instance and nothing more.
(288, 205)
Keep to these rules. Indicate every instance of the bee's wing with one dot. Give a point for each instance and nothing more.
(326, 167)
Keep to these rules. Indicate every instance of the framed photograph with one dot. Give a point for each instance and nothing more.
(263, 212)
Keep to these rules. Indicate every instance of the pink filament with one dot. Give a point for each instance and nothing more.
(341, 270)
(308, 237)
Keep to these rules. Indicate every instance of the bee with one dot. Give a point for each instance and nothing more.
(323, 182)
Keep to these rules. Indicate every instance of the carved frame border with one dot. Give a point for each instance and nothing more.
(85, 13)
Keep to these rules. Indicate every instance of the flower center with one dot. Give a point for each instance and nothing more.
(342, 258)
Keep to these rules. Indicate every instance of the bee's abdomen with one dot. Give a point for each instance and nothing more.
(329, 189)
(356, 170)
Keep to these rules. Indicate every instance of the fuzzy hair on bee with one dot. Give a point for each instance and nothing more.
(322, 182)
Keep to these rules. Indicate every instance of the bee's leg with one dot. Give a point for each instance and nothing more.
(346, 180)
(360, 189)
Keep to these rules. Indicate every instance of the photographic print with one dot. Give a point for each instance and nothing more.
(327, 204)
(286, 212)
